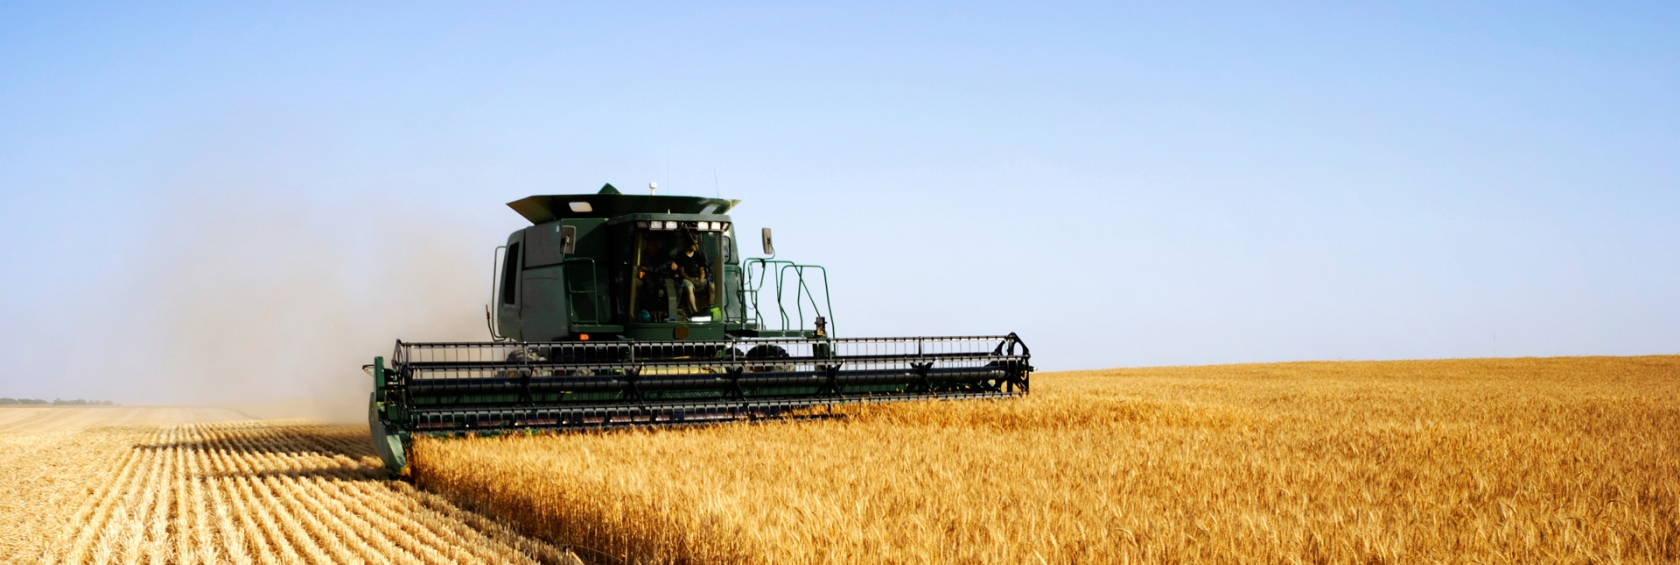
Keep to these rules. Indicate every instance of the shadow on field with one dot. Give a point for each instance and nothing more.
(295, 451)
(339, 474)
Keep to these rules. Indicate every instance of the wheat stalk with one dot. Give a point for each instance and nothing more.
(1508, 460)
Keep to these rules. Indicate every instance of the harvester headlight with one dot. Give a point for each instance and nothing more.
(670, 225)
(581, 207)
(641, 225)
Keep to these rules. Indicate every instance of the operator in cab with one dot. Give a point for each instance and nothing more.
(688, 264)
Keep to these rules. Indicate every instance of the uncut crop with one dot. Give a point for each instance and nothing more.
(241, 493)
(1487, 461)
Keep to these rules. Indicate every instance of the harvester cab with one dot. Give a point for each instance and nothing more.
(615, 267)
(616, 310)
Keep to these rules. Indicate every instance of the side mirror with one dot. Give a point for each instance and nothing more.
(769, 249)
(568, 240)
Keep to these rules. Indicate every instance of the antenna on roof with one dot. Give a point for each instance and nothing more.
(652, 186)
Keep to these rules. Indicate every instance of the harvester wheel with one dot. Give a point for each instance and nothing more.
(526, 355)
(572, 358)
(767, 351)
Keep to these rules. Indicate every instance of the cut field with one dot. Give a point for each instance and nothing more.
(243, 492)
(55, 419)
(1486, 461)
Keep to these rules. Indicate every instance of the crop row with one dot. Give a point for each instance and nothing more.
(267, 493)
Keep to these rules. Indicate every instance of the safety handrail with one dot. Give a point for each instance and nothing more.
(594, 286)
(739, 292)
(495, 292)
(805, 291)
(753, 287)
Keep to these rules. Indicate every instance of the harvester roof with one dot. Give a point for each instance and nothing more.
(609, 202)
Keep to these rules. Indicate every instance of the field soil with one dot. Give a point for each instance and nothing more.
(1565, 460)
(191, 485)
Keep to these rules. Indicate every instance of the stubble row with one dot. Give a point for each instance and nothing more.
(268, 493)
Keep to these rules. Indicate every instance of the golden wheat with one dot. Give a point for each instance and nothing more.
(238, 492)
(1488, 461)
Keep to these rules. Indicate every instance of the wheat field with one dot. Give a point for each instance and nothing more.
(1566, 460)
(251, 492)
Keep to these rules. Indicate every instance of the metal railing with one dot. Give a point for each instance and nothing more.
(802, 293)
(597, 303)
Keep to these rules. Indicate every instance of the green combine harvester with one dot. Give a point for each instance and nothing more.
(615, 310)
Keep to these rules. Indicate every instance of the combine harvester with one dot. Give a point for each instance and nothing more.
(616, 310)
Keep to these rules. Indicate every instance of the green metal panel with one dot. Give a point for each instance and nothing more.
(388, 443)
(542, 245)
(592, 240)
(543, 304)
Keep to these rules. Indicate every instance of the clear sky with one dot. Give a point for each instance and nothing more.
(279, 191)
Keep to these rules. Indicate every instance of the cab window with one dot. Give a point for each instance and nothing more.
(510, 274)
(675, 269)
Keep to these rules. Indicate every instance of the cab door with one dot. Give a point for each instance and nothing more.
(542, 294)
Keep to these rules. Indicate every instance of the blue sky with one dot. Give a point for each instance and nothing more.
(282, 190)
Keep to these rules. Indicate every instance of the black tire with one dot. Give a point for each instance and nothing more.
(574, 355)
(761, 353)
(527, 355)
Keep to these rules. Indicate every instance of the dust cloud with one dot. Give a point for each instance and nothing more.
(272, 305)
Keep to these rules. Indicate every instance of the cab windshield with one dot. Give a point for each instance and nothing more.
(676, 276)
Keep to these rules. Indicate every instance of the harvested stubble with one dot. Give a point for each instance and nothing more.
(244, 493)
(1489, 461)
